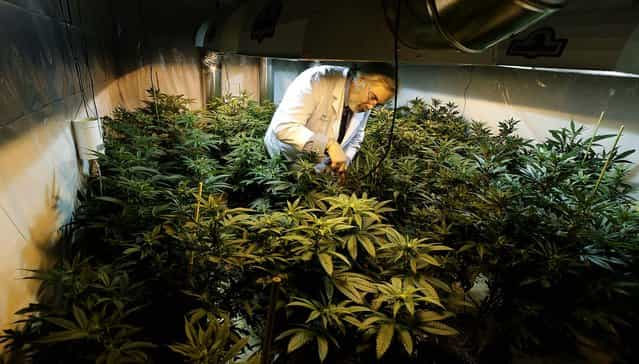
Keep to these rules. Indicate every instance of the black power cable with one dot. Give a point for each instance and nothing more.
(85, 52)
(396, 65)
(68, 22)
(145, 40)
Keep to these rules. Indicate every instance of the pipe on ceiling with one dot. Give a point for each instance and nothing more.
(470, 26)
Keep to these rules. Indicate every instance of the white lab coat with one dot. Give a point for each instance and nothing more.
(311, 110)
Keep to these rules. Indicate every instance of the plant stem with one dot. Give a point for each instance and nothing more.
(603, 170)
(594, 134)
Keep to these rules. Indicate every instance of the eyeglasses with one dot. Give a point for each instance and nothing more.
(372, 98)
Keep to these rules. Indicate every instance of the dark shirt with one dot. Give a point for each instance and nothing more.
(343, 125)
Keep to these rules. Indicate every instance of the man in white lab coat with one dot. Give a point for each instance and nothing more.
(325, 111)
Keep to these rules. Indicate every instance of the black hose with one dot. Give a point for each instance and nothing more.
(396, 65)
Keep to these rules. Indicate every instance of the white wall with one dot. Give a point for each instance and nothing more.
(284, 72)
(241, 74)
(542, 100)
(40, 93)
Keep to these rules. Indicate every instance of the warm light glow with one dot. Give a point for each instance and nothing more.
(575, 71)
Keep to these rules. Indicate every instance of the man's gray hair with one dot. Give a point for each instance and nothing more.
(373, 71)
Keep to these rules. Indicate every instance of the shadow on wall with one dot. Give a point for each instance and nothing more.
(36, 253)
(39, 176)
(175, 71)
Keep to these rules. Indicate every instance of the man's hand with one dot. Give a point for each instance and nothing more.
(337, 156)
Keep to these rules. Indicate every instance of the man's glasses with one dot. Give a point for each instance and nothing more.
(372, 98)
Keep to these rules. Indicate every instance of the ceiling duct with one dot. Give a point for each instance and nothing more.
(362, 29)
(470, 26)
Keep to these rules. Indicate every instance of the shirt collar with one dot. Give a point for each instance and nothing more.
(347, 90)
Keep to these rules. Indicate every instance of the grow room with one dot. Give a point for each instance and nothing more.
(281, 181)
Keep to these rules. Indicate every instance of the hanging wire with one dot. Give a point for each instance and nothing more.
(68, 22)
(470, 81)
(396, 65)
(144, 42)
(15, 225)
(85, 53)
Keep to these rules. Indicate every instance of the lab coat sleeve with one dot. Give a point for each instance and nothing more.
(356, 142)
(291, 116)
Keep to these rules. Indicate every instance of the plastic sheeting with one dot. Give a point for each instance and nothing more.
(55, 56)
(241, 74)
(42, 72)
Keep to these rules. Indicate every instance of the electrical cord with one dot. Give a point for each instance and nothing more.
(76, 64)
(390, 24)
(143, 50)
(470, 81)
(85, 53)
(389, 145)
(83, 50)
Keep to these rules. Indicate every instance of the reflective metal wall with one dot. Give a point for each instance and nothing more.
(61, 60)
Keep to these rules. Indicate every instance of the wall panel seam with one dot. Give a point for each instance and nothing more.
(31, 12)
(44, 106)
(6, 213)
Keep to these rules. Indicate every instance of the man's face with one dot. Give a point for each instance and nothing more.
(366, 94)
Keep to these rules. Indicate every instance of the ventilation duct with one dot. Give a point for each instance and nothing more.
(468, 25)
(362, 29)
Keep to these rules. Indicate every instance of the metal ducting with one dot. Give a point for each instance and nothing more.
(468, 25)
(363, 30)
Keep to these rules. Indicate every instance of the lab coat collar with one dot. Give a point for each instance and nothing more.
(339, 93)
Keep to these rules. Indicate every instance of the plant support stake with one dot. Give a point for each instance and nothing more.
(603, 170)
(197, 218)
(594, 135)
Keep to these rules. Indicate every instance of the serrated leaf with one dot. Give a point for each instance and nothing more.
(63, 336)
(313, 315)
(353, 321)
(322, 348)
(235, 349)
(430, 260)
(439, 248)
(298, 340)
(384, 339)
(130, 251)
(137, 345)
(438, 283)
(341, 257)
(396, 306)
(432, 316)
(62, 323)
(80, 317)
(327, 263)
(407, 340)
(438, 328)
(351, 245)
(349, 291)
(189, 330)
(371, 320)
(368, 245)
(466, 247)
